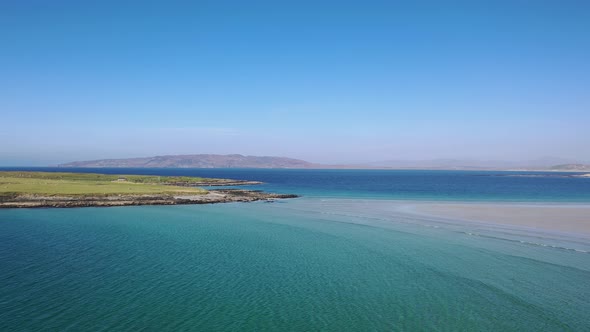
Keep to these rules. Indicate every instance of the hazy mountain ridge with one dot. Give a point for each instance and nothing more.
(545, 163)
(241, 161)
(197, 161)
(571, 167)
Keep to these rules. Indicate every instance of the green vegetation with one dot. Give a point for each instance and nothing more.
(153, 179)
(80, 184)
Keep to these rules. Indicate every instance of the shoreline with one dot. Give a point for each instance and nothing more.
(25, 189)
(214, 196)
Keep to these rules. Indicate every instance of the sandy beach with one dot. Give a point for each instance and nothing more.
(574, 218)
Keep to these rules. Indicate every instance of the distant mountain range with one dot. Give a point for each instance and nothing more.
(240, 161)
(571, 167)
(197, 161)
(536, 164)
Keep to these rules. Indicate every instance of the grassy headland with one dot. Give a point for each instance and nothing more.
(48, 189)
(80, 184)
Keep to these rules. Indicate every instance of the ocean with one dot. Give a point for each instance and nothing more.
(344, 257)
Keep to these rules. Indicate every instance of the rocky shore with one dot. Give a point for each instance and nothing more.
(211, 197)
(213, 183)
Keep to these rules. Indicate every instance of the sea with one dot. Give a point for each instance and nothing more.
(343, 257)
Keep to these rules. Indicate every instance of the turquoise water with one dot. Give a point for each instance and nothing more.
(315, 263)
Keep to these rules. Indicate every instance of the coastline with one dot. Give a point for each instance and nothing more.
(25, 189)
(211, 197)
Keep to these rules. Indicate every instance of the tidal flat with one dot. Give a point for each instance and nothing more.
(559, 217)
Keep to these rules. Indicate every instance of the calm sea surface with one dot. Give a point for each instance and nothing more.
(339, 259)
(390, 184)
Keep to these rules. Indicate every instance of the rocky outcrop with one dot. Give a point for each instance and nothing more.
(211, 197)
(213, 183)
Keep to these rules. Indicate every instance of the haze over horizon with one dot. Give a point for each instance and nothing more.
(329, 82)
(250, 161)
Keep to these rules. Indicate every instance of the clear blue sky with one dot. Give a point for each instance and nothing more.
(323, 81)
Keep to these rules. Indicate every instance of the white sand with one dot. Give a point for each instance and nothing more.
(574, 218)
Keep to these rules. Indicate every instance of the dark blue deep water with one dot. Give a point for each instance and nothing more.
(394, 184)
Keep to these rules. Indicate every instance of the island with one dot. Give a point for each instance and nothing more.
(59, 189)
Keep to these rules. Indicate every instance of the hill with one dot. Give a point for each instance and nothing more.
(241, 161)
(571, 167)
(197, 161)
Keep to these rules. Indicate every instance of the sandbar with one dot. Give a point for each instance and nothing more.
(570, 218)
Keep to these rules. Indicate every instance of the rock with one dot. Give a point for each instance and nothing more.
(212, 197)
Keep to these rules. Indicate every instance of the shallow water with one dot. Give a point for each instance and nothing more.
(314, 263)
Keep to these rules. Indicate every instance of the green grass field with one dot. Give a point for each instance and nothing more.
(153, 179)
(78, 184)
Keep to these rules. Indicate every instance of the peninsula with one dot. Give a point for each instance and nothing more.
(49, 189)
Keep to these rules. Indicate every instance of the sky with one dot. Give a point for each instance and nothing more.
(324, 81)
